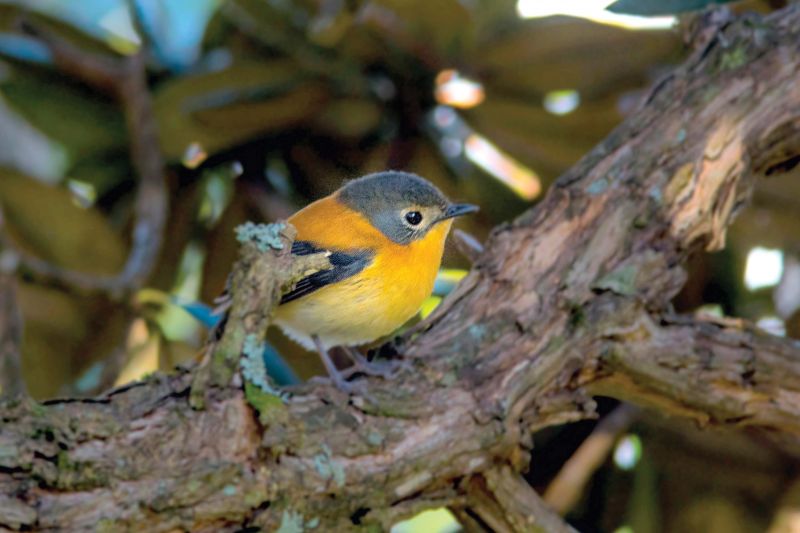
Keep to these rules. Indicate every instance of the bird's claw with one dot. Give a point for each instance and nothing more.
(339, 382)
(387, 370)
(383, 369)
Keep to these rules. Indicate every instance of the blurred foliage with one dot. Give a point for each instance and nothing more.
(263, 105)
(299, 95)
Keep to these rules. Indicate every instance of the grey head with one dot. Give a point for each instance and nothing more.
(403, 206)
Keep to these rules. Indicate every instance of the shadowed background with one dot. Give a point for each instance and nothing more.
(248, 109)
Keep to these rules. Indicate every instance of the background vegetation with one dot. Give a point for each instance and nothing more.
(259, 106)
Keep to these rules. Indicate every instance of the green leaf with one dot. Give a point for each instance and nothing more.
(221, 109)
(80, 120)
(103, 170)
(55, 326)
(522, 66)
(444, 27)
(542, 55)
(46, 221)
(63, 335)
(349, 117)
(660, 7)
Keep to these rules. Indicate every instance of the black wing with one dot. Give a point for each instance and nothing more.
(345, 264)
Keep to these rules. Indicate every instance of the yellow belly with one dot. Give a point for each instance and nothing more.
(360, 309)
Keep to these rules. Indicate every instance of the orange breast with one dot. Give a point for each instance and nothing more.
(331, 224)
(374, 302)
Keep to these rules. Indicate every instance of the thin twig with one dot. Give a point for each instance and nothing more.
(151, 199)
(466, 243)
(568, 486)
(126, 80)
(99, 71)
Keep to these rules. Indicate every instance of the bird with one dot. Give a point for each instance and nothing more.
(384, 236)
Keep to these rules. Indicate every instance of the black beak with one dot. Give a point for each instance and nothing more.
(457, 210)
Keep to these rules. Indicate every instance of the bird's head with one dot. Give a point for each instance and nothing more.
(403, 206)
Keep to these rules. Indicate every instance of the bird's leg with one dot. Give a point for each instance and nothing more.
(338, 379)
(384, 369)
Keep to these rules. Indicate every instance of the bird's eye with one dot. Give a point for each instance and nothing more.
(414, 217)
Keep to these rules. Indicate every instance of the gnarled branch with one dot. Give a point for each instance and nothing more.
(717, 372)
(558, 306)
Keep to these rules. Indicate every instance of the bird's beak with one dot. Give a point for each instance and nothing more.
(457, 210)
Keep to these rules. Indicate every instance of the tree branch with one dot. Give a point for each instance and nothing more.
(125, 79)
(520, 508)
(559, 303)
(566, 489)
(717, 372)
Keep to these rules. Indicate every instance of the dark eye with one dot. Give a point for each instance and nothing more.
(414, 217)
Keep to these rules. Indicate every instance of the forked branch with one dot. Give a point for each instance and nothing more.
(566, 301)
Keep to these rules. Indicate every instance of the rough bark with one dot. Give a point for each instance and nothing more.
(567, 301)
(717, 372)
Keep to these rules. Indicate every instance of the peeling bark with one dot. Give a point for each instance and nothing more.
(568, 300)
(717, 372)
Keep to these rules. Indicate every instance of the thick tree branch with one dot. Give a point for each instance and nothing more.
(718, 372)
(558, 305)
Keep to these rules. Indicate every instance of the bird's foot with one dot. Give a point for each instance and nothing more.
(361, 365)
(339, 379)
(384, 369)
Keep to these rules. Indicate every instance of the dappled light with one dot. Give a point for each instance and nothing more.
(456, 90)
(562, 102)
(763, 268)
(566, 296)
(486, 155)
(194, 155)
(628, 452)
(594, 10)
